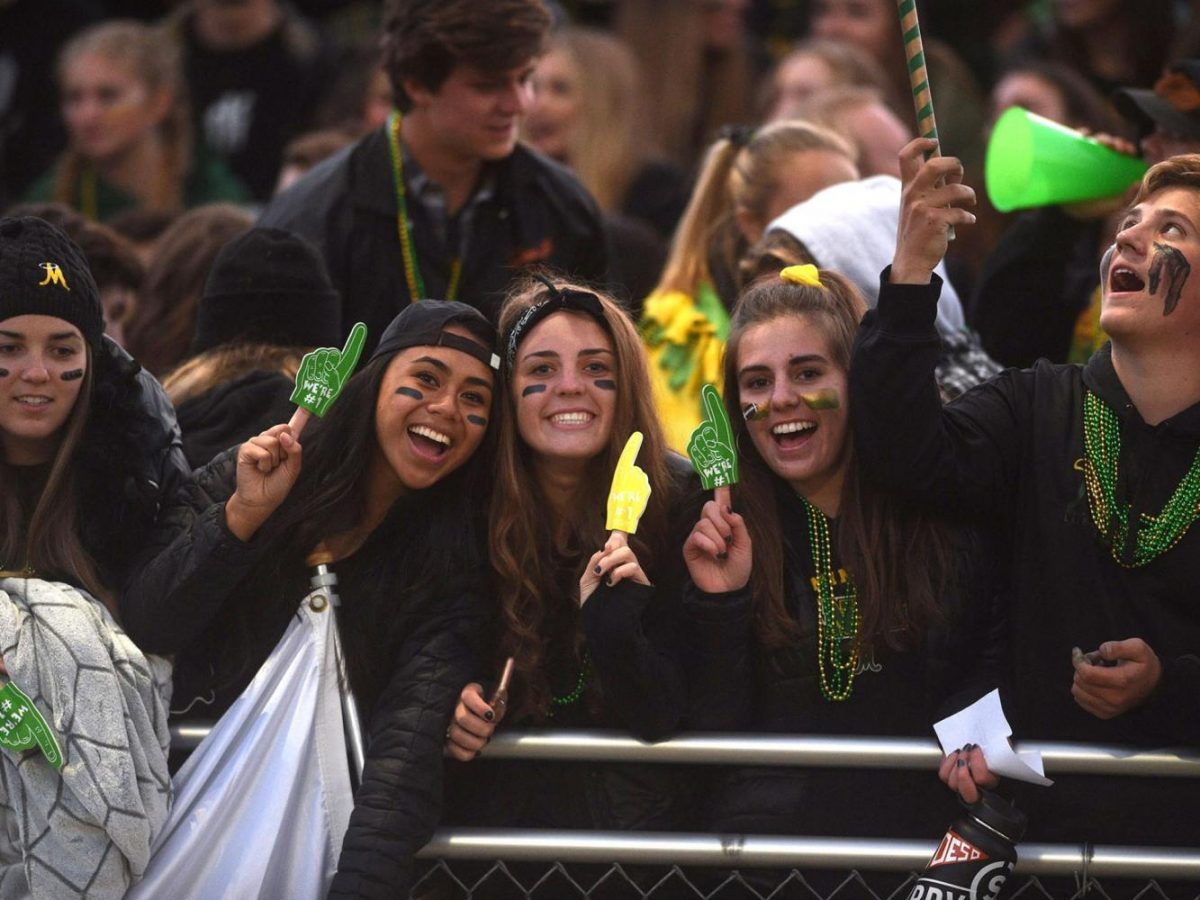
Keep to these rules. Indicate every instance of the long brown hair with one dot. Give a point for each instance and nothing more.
(521, 534)
(46, 539)
(154, 59)
(902, 562)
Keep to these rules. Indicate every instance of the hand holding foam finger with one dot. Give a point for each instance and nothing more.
(718, 552)
(267, 468)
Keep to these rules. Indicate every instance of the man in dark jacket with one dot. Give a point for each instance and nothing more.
(1091, 475)
(442, 202)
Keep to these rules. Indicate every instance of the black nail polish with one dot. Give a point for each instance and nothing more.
(967, 748)
(489, 715)
(961, 763)
(609, 582)
(729, 538)
(596, 570)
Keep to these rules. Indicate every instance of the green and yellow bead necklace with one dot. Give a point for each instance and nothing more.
(412, 271)
(1154, 535)
(837, 613)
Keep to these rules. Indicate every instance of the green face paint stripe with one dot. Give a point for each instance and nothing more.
(73, 375)
(4, 373)
(825, 398)
(410, 392)
(533, 389)
(606, 384)
(476, 420)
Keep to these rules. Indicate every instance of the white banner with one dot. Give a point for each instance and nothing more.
(263, 803)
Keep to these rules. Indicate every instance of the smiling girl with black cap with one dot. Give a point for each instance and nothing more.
(389, 482)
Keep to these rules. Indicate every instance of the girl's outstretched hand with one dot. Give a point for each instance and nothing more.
(718, 551)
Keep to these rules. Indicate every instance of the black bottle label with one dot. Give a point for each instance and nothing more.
(960, 870)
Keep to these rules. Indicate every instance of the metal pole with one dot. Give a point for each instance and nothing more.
(757, 851)
(327, 580)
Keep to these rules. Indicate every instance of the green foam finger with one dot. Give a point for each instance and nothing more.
(352, 351)
(325, 371)
(23, 728)
(711, 447)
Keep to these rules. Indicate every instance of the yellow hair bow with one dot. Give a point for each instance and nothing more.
(807, 275)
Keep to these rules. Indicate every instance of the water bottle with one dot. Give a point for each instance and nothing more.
(976, 855)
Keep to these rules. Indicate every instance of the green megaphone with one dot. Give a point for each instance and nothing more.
(1033, 161)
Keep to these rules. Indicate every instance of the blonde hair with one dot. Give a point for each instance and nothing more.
(689, 92)
(153, 57)
(736, 175)
(604, 149)
(202, 373)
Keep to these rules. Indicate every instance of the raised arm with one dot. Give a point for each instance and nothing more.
(962, 457)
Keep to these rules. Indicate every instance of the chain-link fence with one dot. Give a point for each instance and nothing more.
(456, 880)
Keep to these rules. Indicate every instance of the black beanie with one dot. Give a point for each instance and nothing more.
(43, 272)
(268, 286)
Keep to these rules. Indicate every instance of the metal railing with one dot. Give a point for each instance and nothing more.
(693, 849)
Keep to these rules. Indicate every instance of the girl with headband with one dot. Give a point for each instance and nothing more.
(389, 484)
(819, 608)
(590, 624)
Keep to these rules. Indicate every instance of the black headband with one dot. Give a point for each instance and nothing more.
(560, 299)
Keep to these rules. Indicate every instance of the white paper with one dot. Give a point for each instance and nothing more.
(983, 723)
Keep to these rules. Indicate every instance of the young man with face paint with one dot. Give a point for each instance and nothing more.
(442, 201)
(1090, 477)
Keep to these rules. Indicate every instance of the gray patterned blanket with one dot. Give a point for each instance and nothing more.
(85, 829)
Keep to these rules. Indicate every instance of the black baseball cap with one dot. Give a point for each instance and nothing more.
(424, 323)
(1173, 105)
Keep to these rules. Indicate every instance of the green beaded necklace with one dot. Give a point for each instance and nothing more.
(837, 614)
(1155, 535)
(580, 683)
(412, 271)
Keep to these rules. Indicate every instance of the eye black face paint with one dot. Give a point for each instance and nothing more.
(476, 420)
(4, 373)
(410, 392)
(606, 384)
(73, 375)
(533, 389)
(1171, 263)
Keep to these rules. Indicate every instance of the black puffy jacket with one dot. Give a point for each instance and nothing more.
(129, 462)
